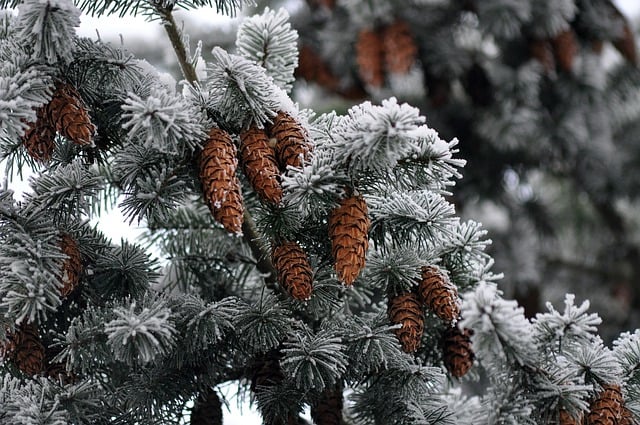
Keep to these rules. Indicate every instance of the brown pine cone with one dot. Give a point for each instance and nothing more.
(565, 48)
(312, 67)
(438, 293)
(405, 309)
(626, 44)
(260, 166)
(69, 114)
(542, 51)
(564, 418)
(220, 185)
(607, 408)
(627, 417)
(72, 266)
(370, 57)
(293, 268)
(292, 142)
(328, 409)
(399, 47)
(24, 349)
(39, 138)
(207, 410)
(457, 353)
(348, 230)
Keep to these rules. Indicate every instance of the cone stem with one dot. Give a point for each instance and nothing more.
(249, 231)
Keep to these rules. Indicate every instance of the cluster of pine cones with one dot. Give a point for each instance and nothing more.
(23, 347)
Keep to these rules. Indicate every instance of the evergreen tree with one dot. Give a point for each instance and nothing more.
(313, 259)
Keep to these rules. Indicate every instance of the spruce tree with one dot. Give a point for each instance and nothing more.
(311, 259)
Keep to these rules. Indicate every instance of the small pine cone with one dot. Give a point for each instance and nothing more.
(312, 67)
(626, 44)
(25, 350)
(328, 409)
(348, 231)
(370, 57)
(69, 114)
(39, 139)
(293, 268)
(438, 293)
(260, 166)
(405, 309)
(607, 408)
(207, 410)
(292, 145)
(542, 51)
(457, 353)
(399, 47)
(565, 48)
(565, 418)
(220, 185)
(72, 266)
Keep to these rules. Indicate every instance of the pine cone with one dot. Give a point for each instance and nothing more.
(370, 57)
(220, 185)
(627, 417)
(69, 114)
(626, 44)
(399, 48)
(294, 271)
(542, 51)
(457, 353)
(405, 309)
(607, 408)
(39, 138)
(566, 419)
(260, 166)
(25, 350)
(292, 145)
(328, 409)
(565, 48)
(312, 67)
(207, 410)
(348, 231)
(438, 293)
(72, 266)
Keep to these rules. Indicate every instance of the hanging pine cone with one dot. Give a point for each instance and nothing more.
(292, 145)
(207, 410)
(293, 268)
(39, 138)
(259, 164)
(328, 409)
(438, 293)
(370, 57)
(565, 418)
(607, 408)
(69, 114)
(627, 417)
(626, 43)
(542, 51)
(565, 48)
(405, 310)
(348, 231)
(24, 349)
(312, 67)
(399, 47)
(72, 265)
(220, 185)
(457, 353)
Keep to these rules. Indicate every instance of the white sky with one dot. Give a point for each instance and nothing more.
(113, 223)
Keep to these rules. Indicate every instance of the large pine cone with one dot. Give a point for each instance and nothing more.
(25, 349)
(328, 409)
(405, 310)
(69, 114)
(370, 57)
(220, 185)
(607, 408)
(566, 419)
(399, 47)
(207, 410)
(260, 166)
(565, 47)
(293, 268)
(438, 293)
(457, 353)
(348, 230)
(72, 265)
(39, 138)
(292, 144)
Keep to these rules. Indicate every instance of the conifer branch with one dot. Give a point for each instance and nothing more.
(249, 231)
